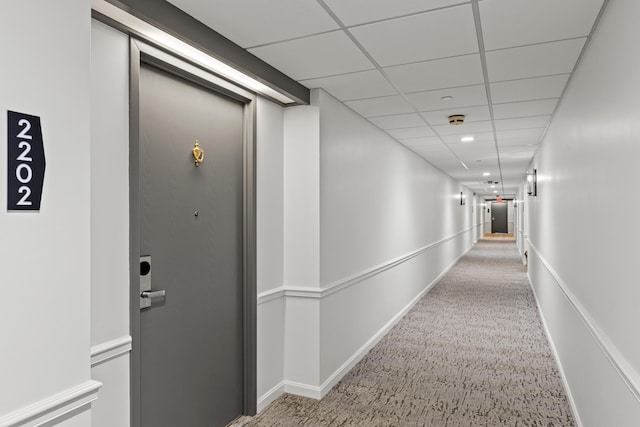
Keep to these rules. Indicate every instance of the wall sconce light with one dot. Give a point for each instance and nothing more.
(463, 199)
(532, 183)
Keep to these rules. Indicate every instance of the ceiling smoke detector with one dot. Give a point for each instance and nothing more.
(456, 119)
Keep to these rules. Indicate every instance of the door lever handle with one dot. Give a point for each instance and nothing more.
(147, 298)
(152, 294)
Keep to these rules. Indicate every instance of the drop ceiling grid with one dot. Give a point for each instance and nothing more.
(392, 62)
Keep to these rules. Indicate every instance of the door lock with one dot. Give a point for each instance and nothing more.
(147, 296)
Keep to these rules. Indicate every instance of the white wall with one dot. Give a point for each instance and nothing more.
(368, 227)
(584, 228)
(45, 256)
(379, 202)
(270, 247)
(110, 339)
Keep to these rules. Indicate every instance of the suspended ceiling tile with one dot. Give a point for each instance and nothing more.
(469, 155)
(480, 137)
(510, 159)
(507, 23)
(256, 22)
(467, 128)
(437, 74)
(353, 12)
(412, 132)
(345, 87)
(519, 149)
(321, 55)
(534, 61)
(402, 40)
(523, 123)
(423, 142)
(398, 121)
(471, 114)
(466, 96)
(519, 137)
(524, 109)
(529, 89)
(383, 106)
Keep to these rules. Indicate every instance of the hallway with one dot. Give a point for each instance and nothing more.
(472, 352)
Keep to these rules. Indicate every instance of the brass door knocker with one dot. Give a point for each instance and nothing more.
(198, 154)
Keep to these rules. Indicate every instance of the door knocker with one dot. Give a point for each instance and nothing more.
(198, 154)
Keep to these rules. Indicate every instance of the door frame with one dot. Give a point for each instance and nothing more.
(141, 52)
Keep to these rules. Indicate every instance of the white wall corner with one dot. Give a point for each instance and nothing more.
(271, 395)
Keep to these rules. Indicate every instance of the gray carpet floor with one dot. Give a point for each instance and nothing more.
(472, 352)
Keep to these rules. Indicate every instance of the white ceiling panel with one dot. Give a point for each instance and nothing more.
(422, 51)
(467, 128)
(245, 22)
(540, 107)
(534, 61)
(383, 106)
(523, 123)
(421, 142)
(437, 74)
(315, 56)
(466, 96)
(529, 89)
(354, 12)
(507, 23)
(471, 114)
(393, 42)
(520, 152)
(519, 137)
(352, 86)
(480, 137)
(398, 121)
(473, 152)
(413, 132)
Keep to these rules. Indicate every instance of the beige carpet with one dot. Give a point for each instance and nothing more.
(471, 353)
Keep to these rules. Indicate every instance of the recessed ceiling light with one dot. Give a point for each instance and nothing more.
(467, 139)
(486, 174)
(493, 186)
(495, 191)
(447, 98)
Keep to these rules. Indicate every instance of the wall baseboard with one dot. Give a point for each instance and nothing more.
(305, 390)
(266, 399)
(556, 356)
(53, 408)
(104, 352)
(628, 375)
(362, 351)
(318, 393)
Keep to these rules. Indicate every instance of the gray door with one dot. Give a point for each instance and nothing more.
(499, 217)
(191, 219)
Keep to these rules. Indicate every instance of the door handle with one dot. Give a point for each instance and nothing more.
(148, 298)
(153, 294)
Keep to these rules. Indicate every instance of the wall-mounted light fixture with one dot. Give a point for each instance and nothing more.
(532, 183)
(463, 199)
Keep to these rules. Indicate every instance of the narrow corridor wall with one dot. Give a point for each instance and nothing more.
(584, 232)
(44, 256)
(381, 226)
(110, 337)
